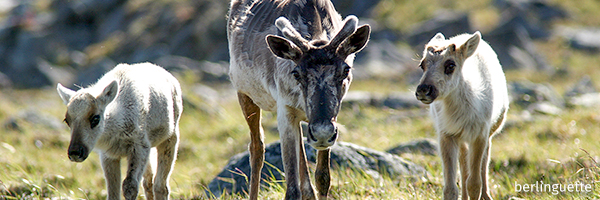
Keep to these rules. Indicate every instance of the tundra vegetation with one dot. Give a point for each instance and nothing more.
(550, 148)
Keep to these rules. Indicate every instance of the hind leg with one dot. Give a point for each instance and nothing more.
(148, 180)
(167, 152)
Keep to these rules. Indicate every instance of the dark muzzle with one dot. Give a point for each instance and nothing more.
(426, 93)
(78, 152)
(322, 135)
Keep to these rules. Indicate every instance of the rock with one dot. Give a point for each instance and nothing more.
(587, 38)
(584, 86)
(512, 43)
(398, 100)
(402, 100)
(233, 177)
(585, 100)
(33, 117)
(447, 22)
(544, 108)
(360, 8)
(5, 81)
(525, 93)
(540, 10)
(382, 59)
(423, 146)
(95, 71)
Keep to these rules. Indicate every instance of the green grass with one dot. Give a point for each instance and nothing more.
(554, 149)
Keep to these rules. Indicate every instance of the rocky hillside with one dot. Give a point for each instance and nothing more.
(43, 42)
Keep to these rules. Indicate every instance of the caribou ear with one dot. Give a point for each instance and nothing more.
(64, 93)
(355, 42)
(283, 48)
(108, 94)
(469, 47)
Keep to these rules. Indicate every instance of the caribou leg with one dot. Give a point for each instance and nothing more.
(322, 175)
(257, 147)
(308, 193)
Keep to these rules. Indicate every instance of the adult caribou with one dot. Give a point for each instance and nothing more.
(293, 57)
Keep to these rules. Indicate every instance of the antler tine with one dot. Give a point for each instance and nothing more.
(290, 33)
(349, 28)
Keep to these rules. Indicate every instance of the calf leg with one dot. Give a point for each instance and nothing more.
(148, 179)
(308, 192)
(167, 152)
(137, 161)
(257, 147)
(477, 149)
(464, 169)
(112, 174)
(485, 193)
(322, 175)
(449, 154)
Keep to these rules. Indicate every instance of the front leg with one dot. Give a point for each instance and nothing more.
(112, 174)
(167, 151)
(449, 154)
(289, 126)
(322, 175)
(257, 147)
(136, 164)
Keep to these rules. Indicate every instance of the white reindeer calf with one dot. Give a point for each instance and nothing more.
(464, 84)
(131, 109)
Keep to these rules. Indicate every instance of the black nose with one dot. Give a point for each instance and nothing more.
(77, 153)
(424, 90)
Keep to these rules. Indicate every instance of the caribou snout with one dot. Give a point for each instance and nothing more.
(78, 152)
(426, 93)
(322, 135)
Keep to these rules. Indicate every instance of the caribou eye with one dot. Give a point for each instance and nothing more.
(347, 70)
(296, 74)
(94, 120)
(449, 67)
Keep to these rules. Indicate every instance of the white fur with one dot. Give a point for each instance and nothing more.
(144, 113)
(470, 108)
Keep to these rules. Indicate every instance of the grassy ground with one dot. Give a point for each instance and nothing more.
(554, 149)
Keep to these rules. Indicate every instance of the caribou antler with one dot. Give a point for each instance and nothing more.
(290, 33)
(349, 28)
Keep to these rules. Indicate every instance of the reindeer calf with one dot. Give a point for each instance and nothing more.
(131, 109)
(465, 86)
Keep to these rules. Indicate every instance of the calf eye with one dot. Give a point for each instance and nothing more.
(94, 120)
(449, 67)
(66, 121)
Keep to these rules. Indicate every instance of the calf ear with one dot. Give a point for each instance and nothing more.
(64, 93)
(469, 47)
(283, 48)
(355, 42)
(108, 94)
(438, 37)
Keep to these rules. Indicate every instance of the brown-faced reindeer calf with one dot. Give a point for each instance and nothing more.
(131, 109)
(465, 86)
(293, 57)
